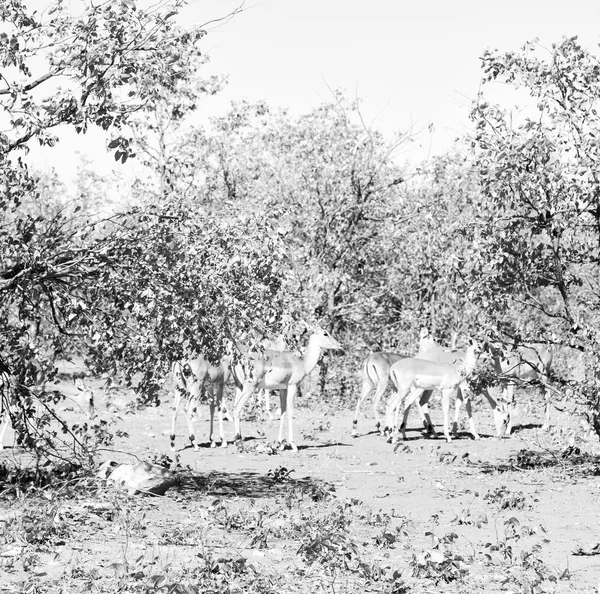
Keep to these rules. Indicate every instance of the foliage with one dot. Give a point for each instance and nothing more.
(102, 63)
(48, 265)
(431, 256)
(535, 254)
(160, 279)
(439, 566)
(176, 281)
(506, 499)
(525, 568)
(357, 255)
(323, 178)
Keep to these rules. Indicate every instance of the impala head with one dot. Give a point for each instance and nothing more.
(491, 348)
(325, 340)
(474, 347)
(501, 418)
(426, 339)
(502, 355)
(85, 398)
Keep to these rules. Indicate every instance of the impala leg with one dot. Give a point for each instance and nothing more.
(394, 426)
(379, 392)
(240, 401)
(192, 405)
(174, 420)
(211, 409)
(463, 394)
(5, 420)
(390, 411)
(177, 393)
(457, 406)
(510, 402)
(446, 395)
(367, 386)
(406, 401)
(216, 404)
(221, 406)
(501, 414)
(409, 400)
(472, 427)
(291, 395)
(424, 407)
(212, 405)
(279, 409)
(283, 402)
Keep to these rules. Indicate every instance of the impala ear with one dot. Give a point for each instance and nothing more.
(308, 327)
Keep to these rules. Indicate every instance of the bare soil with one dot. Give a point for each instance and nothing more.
(342, 514)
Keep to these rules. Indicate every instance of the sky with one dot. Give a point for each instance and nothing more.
(412, 64)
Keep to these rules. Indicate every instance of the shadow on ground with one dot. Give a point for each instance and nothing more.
(256, 485)
(569, 460)
(526, 426)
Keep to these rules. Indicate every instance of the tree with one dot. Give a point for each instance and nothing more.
(536, 252)
(177, 281)
(107, 285)
(324, 176)
(426, 276)
(366, 252)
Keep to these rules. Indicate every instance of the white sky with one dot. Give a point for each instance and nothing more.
(411, 63)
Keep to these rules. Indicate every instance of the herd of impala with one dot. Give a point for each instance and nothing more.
(432, 368)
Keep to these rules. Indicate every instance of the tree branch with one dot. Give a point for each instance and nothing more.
(33, 84)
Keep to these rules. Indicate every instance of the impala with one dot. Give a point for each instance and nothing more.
(275, 344)
(525, 364)
(434, 352)
(413, 377)
(192, 378)
(277, 370)
(376, 374)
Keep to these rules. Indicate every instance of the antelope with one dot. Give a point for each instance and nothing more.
(525, 364)
(192, 377)
(276, 344)
(85, 398)
(376, 374)
(412, 377)
(431, 351)
(277, 370)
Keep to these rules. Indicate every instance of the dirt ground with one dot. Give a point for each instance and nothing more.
(510, 515)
